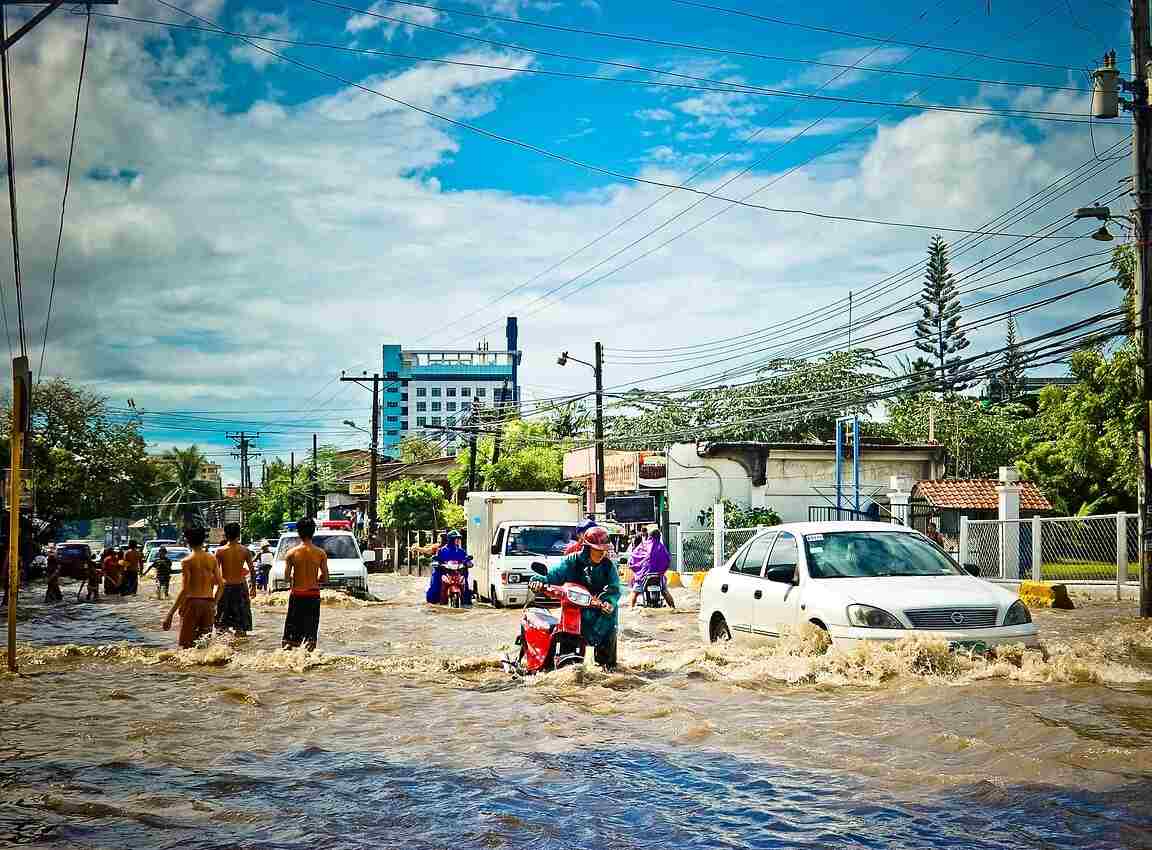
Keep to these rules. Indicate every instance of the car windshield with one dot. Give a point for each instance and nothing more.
(540, 540)
(874, 554)
(338, 546)
(172, 553)
(72, 551)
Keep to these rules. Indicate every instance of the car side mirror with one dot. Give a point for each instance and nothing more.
(972, 570)
(368, 556)
(783, 575)
(539, 569)
(495, 548)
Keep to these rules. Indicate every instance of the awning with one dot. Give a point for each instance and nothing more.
(140, 523)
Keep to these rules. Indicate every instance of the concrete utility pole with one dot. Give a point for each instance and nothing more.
(597, 368)
(1142, 185)
(244, 451)
(292, 485)
(374, 448)
(315, 479)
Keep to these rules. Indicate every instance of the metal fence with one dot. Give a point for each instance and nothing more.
(695, 551)
(1092, 550)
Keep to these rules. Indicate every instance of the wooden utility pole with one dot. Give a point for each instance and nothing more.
(373, 448)
(21, 392)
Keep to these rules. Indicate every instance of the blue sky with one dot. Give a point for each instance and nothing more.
(246, 228)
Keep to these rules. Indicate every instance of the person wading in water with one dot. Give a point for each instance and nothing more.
(305, 569)
(133, 562)
(234, 610)
(201, 585)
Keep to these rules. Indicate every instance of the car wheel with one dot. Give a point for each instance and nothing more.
(718, 631)
(496, 603)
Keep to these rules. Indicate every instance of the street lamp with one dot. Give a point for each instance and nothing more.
(598, 370)
(1102, 214)
(352, 424)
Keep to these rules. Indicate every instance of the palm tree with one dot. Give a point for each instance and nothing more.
(183, 487)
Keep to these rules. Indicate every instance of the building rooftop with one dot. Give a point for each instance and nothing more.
(977, 494)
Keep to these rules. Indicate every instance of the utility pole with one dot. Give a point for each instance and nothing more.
(315, 479)
(474, 431)
(244, 445)
(374, 448)
(292, 486)
(21, 401)
(1142, 184)
(599, 369)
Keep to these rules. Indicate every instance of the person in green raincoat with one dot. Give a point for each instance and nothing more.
(592, 568)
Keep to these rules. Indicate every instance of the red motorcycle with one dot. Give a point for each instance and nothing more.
(547, 641)
(452, 584)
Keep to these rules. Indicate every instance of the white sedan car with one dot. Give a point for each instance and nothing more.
(346, 564)
(858, 581)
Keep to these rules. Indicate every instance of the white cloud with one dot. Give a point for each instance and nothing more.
(831, 79)
(265, 24)
(257, 253)
(413, 14)
(654, 114)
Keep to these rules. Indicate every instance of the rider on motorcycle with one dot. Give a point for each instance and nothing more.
(577, 543)
(450, 551)
(593, 568)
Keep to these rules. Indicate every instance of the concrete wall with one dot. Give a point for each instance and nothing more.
(794, 480)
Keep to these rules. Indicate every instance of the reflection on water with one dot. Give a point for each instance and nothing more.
(584, 799)
(404, 731)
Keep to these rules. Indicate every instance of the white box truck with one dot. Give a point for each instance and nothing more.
(508, 532)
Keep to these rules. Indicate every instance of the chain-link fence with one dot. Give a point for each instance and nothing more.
(696, 551)
(1092, 549)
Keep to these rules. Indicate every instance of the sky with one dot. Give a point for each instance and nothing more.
(241, 226)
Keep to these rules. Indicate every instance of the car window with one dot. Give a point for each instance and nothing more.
(786, 552)
(751, 563)
(73, 552)
(543, 540)
(338, 546)
(498, 543)
(874, 554)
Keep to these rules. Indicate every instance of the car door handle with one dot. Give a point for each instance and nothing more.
(759, 594)
(723, 588)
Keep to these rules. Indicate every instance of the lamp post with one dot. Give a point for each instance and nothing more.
(598, 370)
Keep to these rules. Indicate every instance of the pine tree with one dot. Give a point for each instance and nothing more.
(938, 332)
(1012, 375)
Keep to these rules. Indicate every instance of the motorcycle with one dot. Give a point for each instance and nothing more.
(652, 592)
(547, 641)
(452, 584)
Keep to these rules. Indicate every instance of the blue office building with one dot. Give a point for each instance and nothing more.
(427, 390)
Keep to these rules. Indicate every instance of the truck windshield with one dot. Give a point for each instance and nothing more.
(544, 540)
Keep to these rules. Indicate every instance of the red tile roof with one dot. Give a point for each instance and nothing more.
(977, 494)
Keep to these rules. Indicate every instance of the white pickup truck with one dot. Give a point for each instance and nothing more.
(510, 531)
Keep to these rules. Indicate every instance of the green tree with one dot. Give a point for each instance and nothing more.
(411, 503)
(415, 449)
(567, 421)
(88, 461)
(1081, 448)
(1124, 265)
(453, 516)
(977, 440)
(1012, 373)
(938, 332)
(183, 488)
(739, 516)
(530, 459)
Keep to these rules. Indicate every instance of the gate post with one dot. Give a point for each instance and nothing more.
(718, 534)
(1037, 549)
(1008, 496)
(679, 549)
(1121, 552)
(965, 542)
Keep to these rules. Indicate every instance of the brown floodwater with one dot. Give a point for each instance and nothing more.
(404, 731)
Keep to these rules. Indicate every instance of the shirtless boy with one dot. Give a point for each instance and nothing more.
(201, 585)
(234, 610)
(305, 569)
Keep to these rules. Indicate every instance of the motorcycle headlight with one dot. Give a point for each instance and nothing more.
(1018, 614)
(867, 617)
(579, 597)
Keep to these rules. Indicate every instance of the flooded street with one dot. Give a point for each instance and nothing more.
(403, 731)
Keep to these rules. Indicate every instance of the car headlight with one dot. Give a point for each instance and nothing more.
(1018, 614)
(868, 617)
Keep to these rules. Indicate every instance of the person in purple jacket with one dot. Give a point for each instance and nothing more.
(650, 558)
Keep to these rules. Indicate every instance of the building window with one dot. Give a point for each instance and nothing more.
(404, 411)
(421, 391)
(392, 419)
(451, 392)
(451, 406)
(465, 406)
(435, 406)
(393, 404)
(421, 421)
(481, 392)
(451, 420)
(465, 391)
(435, 392)
(421, 406)
(435, 420)
(393, 433)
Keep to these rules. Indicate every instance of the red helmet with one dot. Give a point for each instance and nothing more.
(597, 538)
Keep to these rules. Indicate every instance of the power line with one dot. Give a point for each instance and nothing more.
(533, 148)
(19, 283)
(64, 199)
(831, 31)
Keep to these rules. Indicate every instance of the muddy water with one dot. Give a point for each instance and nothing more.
(402, 731)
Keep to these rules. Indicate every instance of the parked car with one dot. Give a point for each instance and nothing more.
(346, 564)
(74, 557)
(858, 581)
(150, 546)
(176, 554)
